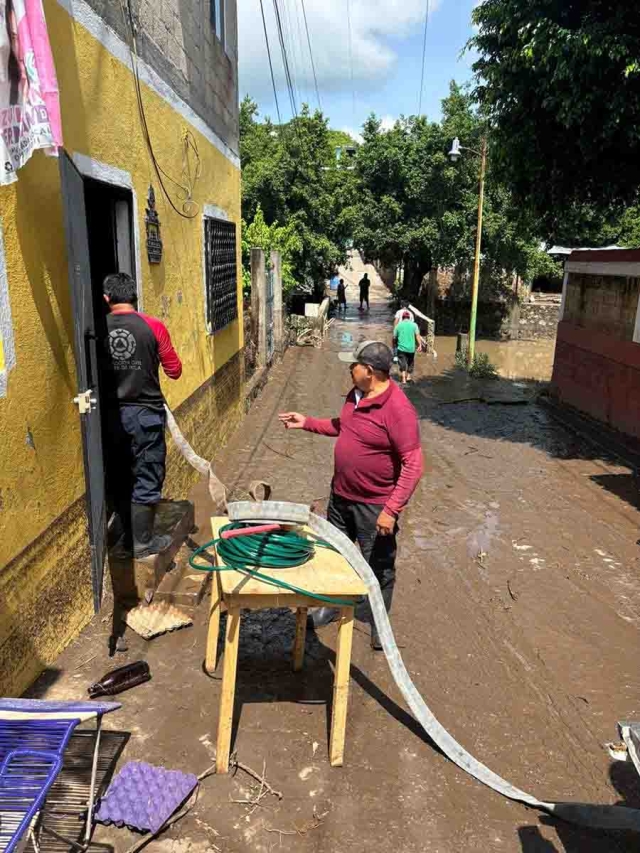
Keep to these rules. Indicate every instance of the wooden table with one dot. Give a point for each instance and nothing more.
(327, 573)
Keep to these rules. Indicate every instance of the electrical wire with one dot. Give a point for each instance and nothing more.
(313, 65)
(289, 40)
(188, 201)
(284, 549)
(424, 54)
(273, 78)
(353, 91)
(285, 60)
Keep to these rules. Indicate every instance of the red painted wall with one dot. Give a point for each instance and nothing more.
(598, 375)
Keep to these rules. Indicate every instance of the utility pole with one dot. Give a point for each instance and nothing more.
(471, 352)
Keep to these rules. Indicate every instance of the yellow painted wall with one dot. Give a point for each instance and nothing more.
(41, 470)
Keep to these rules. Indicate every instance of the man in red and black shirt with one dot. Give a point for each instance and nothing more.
(135, 347)
(378, 463)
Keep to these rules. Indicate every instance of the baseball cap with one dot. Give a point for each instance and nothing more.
(374, 354)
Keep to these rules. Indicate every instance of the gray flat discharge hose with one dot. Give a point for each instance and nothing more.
(581, 814)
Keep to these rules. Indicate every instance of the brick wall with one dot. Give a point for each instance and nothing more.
(599, 375)
(176, 38)
(607, 304)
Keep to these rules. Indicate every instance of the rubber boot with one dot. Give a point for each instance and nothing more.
(144, 542)
(376, 643)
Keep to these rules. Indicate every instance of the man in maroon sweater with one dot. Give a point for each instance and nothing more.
(378, 463)
(135, 347)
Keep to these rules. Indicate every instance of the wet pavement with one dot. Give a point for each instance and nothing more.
(517, 613)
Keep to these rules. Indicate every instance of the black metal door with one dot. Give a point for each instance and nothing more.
(86, 352)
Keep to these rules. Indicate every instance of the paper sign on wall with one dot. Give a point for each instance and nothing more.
(29, 101)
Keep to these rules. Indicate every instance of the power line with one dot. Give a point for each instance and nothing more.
(313, 65)
(273, 78)
(287, 31)
(424, 54)
(306, 77)
(285, 61)
(353, 91)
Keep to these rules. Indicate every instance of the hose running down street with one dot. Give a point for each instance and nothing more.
(581, 814)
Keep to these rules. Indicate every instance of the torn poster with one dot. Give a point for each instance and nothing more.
(29, 102)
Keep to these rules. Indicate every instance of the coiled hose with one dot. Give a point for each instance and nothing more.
(281, 549)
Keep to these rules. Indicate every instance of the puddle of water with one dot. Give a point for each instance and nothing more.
(513, 359)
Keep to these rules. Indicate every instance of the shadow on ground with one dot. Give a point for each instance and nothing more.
(500, 410)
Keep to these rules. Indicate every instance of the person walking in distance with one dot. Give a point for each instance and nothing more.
(364, 285)
(135, 347)
(378, 464)
(407, 337)
(342, 296)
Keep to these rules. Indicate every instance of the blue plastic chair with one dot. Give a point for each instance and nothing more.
(33, 737)
(25, 778)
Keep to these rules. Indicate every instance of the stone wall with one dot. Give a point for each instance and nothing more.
(493, 321)
(502, 321)
(177, 39)
(538, 321)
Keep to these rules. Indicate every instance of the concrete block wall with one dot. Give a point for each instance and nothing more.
(607, 304)
(177, 39)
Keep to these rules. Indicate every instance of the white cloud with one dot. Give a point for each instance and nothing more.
(372, 23)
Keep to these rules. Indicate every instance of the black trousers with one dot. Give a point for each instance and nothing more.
(406, 361)
(358, 522)
(136, 456)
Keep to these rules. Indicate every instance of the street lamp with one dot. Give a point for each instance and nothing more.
(454, 155)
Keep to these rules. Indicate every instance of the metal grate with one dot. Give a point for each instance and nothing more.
(221, 272)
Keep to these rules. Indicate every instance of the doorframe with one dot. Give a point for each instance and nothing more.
(107, 174)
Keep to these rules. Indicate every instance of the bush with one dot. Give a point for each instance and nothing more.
(482, 368)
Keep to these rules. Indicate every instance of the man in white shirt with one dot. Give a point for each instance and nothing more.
(399, 314)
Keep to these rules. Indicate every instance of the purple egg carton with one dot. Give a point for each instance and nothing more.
(143, 797)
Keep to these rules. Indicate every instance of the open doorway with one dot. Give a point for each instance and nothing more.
(109, 212)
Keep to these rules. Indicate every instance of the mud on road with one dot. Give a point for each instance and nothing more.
(517, 613)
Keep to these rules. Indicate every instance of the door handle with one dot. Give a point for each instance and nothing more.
(86, 402)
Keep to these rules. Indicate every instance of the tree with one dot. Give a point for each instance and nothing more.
(289, 174)
(560, 84)
(283, 239)
(417, 208)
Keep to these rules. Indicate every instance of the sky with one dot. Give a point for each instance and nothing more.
(386, 50)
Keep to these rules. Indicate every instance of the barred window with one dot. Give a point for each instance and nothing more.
(221, 273)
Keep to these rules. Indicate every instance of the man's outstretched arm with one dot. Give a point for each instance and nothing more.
(320, 426)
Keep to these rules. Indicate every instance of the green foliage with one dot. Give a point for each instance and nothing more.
(288, 172)
(630, 228)
(560, 84)
(341, 139)
(416, 207)
(482, 368)
(284, 239)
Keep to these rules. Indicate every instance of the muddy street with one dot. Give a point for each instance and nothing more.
(517, 612)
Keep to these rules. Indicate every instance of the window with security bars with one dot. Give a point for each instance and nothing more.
(221, 273)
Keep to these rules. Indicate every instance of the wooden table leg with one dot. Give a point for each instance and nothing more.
(301, 637)
(341, 687)
(225, 720)
(211, 658)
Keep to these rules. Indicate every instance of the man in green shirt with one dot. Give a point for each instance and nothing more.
(407, 337)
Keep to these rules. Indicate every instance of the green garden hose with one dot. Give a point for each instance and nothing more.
(282, 549)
